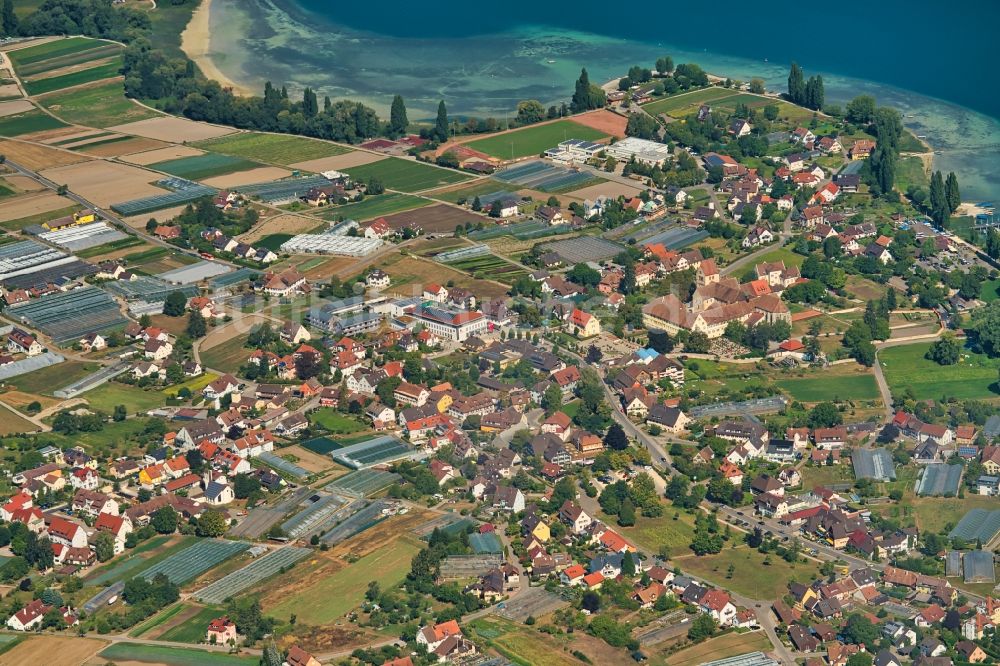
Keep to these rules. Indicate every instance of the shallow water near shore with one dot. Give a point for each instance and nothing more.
(482, 66)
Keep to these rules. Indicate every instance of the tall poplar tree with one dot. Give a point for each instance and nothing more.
(952, 195)
(796, 84)
(9, 18)
(441, 126)
(398, 121)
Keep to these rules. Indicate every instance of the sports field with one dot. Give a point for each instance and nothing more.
(534, 140)
(26, 123)
(98, 106)
(172, 656)
(818, 389)
(204, 166)
(405, 175)
(377, 206)
(272, 148)
(105, 71)
(974, 377)
(683, 104)
(330, 597)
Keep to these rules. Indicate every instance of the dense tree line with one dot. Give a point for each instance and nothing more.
(93, 18)
(809, 94)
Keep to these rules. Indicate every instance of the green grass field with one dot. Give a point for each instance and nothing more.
(53, 377)
(54, 49)
(105, 71)
(720, 647)
(226, 357)
(991, 290)
(910, 172)
(335, 422)
(905, 368)
(99, 106)
(377, 206)
(156, 620)
(273, 241)
(520, 644)
(172, 656)
(752, 578)
(685, 103)
(782, 254)
(272, 148)
(100, 51)
(752, 101)
(853, 387)
(204, 166)
(405, 175)
(534, 140)
(28, 122)
(652, 533)
(109, 395)
(193, 629)
(333, 596)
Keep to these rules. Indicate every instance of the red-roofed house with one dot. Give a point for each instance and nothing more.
(583, 324)
(221, 631)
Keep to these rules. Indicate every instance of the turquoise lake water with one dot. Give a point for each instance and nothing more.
(936, 65)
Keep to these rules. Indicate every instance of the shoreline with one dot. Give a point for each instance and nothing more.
(196, 42)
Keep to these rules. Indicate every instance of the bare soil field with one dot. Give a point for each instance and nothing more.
(80, 134)
(28, 43)
(139, 221)
(171, 129)
(23, 183)
(105, 182)
(260, 175)
(161, 155)
(603, 120)
(433, 219)
(610, 189)
(52, 651)
(15, 106)
(281, 224)
(307, 460)
(38, 157)
(338, 162)
(32, 204)
(538, 195)
(120, 147)
(20, 400)
(46, 136)
(10, 90)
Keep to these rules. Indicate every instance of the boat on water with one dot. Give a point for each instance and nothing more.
(551, 62)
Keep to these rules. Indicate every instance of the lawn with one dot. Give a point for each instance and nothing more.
(405, 175)
(28, 122)
(534, 140)
(973, 377)
(204, 166)
(520, 644)
(827, 475)
(729, 645)
(277, 149)
(751, 578)
(191, 630)
(991, 290)
(99, 106)
(171, 656)
(376, 206)
(53, 377)
(910, 171)
(782, 254)
(109, 395)
(227, 357)
(818, 389)
(105, 71)
(651, 534)
(681, 105)
(335, 422)
(329, 598)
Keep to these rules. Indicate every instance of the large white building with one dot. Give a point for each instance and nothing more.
(574, 150)
(645, 151)
(457, 325)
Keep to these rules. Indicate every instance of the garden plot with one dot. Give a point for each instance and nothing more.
(260, 569)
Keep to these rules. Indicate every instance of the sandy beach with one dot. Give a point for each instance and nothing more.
(196, 41)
